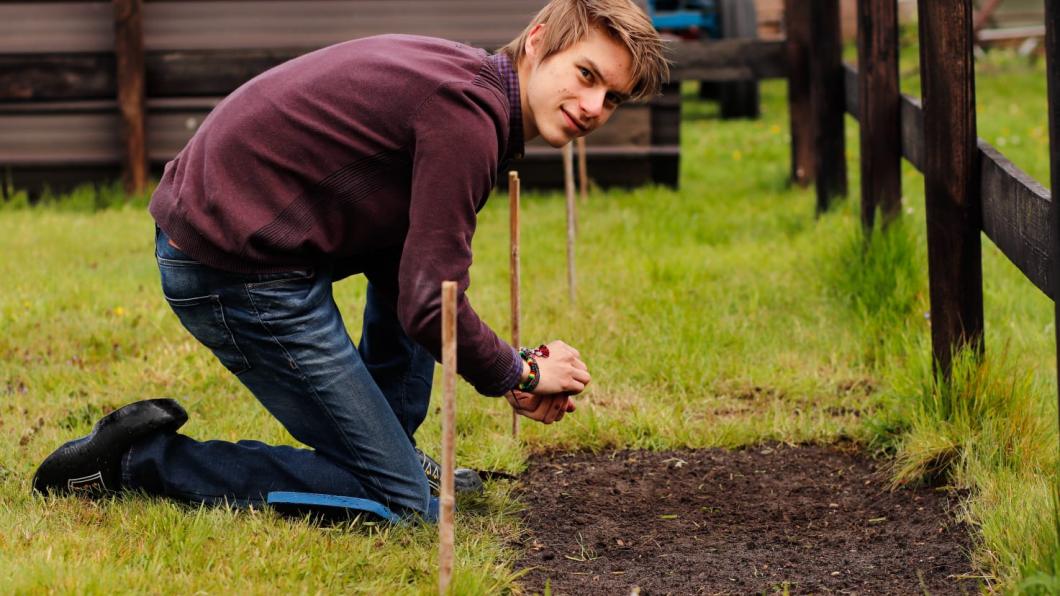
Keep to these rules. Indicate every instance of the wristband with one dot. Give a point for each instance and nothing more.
(535, 371)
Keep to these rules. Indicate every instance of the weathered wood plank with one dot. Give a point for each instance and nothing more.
(911, 119)
(951, 178)
(800, 108)
(850, 91)
(913, 131)
(56, 76)
(728, 60)
(826, 97)
(210, 72)
(1015, 212)
(50, 77)
(880, 129)
(129, 69)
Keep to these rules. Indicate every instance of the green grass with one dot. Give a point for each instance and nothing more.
(722, 314)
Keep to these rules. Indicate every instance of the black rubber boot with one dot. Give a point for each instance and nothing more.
(91, 465)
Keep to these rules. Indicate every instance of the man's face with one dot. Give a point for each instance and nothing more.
(575, 91)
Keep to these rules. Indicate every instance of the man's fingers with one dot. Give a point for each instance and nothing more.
(557, 408)
(573, 386)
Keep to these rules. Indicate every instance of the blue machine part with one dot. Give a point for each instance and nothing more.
(684, 17)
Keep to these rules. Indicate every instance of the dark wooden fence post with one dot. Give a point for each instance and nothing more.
(800, 111)
(951, 178)
(129, 57)
(881, 140)
(1052, 51)
(828, 99)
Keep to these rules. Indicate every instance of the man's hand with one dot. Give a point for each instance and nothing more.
(563, 372)
(543, 408)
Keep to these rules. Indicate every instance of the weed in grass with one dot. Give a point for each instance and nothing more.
(985, 409)
(879, 277)
(1014, 512)
(1041, 569)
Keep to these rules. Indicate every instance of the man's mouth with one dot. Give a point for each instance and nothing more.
(572, 123)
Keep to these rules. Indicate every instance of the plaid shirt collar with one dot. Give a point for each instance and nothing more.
(510, 78)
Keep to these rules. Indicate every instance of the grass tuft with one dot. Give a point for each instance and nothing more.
(880, 278)
(1041, 567)
(986, 410)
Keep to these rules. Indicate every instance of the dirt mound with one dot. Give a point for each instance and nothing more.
(765, 519)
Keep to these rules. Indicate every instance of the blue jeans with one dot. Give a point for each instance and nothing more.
(282, 335)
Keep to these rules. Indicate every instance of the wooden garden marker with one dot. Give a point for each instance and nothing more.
(513, 220)
(583, 170)
(447, 490)
(881, 135)
(951, 178)
(568, 179)
(1052, 56)
(129, 66)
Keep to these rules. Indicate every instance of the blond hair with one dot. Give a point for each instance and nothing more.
(569, 21)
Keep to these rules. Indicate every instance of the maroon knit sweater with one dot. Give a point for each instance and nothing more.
(370, 156)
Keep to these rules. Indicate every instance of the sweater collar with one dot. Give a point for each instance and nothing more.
(510, 79)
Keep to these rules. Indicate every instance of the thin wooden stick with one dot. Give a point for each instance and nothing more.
(583, 170)
(513, 220)
(568, 179)
(447, 492)
(129, 73)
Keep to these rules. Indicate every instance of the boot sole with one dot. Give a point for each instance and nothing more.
(64, 471)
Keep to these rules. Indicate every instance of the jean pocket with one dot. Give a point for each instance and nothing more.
(294, 276)
(204, 318)
(288, 298)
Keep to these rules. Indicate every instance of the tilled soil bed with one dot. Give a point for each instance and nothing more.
(764, 519)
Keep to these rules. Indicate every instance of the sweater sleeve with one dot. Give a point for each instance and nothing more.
(455, 151)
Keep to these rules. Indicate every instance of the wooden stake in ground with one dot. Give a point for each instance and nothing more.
(568, 179)
(447, 491)
(129, 74)
(583, 170)
(513, 220)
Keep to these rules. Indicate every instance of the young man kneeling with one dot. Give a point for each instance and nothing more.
(368, 157)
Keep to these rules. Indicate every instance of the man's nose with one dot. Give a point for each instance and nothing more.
(592, 102)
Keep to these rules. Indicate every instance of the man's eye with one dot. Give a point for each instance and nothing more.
(613, 99)
(586, 73)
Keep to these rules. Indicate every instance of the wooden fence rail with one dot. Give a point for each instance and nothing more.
(970, 186)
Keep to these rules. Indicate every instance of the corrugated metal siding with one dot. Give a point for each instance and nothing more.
(72, 27)
(38, 134)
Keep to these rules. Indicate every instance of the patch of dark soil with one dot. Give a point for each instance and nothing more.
(808, 519)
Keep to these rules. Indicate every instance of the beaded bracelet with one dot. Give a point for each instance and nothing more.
(535, 372)
(538, 352)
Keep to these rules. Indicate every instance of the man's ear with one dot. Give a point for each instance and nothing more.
(533, 41)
